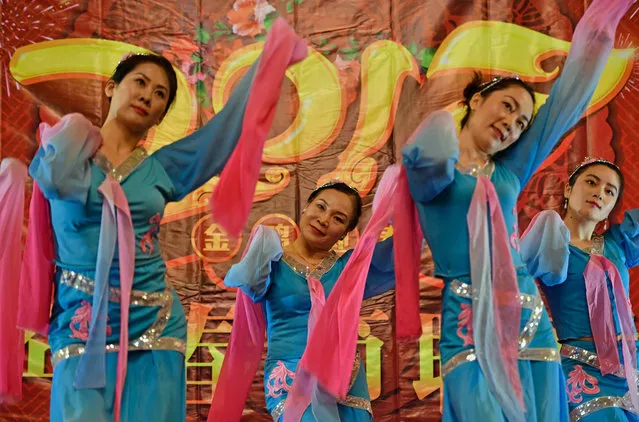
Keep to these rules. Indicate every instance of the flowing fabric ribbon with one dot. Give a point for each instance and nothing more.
(241, 359)
(602, 324)
(126, 249)
(116, 218)
(309, 392)
(496, 304)
(407, 242)
(323, 404)
(237, 185)
(91, 369)
(12, 177)
(36, 276)
(239, 177)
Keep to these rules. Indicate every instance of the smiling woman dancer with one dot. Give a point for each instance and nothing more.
(291, 285)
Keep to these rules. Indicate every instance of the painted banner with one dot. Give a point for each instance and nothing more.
(375, 69)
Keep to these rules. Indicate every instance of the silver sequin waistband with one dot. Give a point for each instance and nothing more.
(149, 340)
(350, 401)
(587, 357)
(532, 302)
(599, 403)
(465, 290)
(138, 298)
(537, 354)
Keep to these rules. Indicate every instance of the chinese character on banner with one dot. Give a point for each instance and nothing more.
(285, 227)
(216, 239)
(211, 242)
(373, 350)
(430, 379)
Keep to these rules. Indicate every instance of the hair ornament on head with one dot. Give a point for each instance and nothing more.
(126, 56)
(335, 182)
(497, 79)
(593, 160)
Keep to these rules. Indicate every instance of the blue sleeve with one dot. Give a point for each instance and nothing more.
(195, 159)
(569, 96)
(431, 155)
(381, 274)
(253, 273)
(626, 235)
(61, 166)
(545, 248)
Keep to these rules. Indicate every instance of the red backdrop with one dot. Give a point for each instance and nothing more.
(375, 70)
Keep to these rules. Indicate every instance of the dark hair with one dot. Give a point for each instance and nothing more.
(128, 64)
(344, 188)
(582, 168)
(477, 85)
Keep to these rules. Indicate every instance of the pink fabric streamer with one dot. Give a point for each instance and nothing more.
(36, 282)
(239, 177)
(241, 360)
(505, 289)
(318, 300)
(36, 277)
(601, 320)
(602, 325)
(12, 177)
(300, 398)
(237, 185)
(114, 198)
(407, 244)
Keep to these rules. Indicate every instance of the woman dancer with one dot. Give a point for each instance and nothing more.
(92, 177)
(584, 277)
(291, 285)
(500, 359)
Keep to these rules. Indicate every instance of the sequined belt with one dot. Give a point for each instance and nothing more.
(544, 354)
(138, 297)
(350, 401)
(149, 340)
(466, 291)
(532, 302)
(599, 403)
(587, 357)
